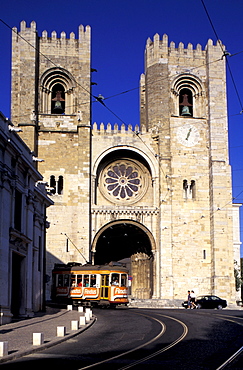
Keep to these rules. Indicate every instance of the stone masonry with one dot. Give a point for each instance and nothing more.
(166, 182)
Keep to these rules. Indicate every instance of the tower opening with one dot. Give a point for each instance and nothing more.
(58, 99)
(185, 103)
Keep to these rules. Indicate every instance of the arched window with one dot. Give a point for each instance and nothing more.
(57, 92)
(188, 96)
(58, 99)
(56, 186)
(185, 189)
(185, 103)
(60, 185)
(189, 192)
(193, 189)
(53, 184)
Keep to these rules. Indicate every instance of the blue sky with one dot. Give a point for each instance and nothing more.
(119, 33)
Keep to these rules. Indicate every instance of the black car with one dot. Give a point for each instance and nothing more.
(208, 301)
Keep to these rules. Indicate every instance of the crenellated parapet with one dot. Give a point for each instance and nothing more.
(83, 39)
(84, 35)
(114, 129)
(159, 49)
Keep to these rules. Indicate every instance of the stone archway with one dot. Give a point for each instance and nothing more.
(131, 243)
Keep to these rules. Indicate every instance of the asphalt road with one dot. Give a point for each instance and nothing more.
(148, 339)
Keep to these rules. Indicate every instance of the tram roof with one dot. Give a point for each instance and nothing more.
(88, 267)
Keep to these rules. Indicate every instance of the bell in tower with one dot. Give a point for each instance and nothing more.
(58, 103)
(185, 105)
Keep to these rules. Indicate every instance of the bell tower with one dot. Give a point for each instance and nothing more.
(183, 101)
(51, 104)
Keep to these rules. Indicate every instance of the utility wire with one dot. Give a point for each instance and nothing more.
(225, 54)
(101, 99)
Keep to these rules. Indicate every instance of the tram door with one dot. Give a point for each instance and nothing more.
(104, 286)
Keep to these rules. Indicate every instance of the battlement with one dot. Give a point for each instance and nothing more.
(159, 49)
(84, 34)
(111, 129)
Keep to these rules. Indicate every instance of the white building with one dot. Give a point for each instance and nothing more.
(23, 200)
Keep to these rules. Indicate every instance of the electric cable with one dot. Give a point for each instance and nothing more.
(101, 100)
(224, 54)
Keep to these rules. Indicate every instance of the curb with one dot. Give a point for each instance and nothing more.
(49, 344)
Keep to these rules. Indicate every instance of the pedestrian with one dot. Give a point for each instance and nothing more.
(188, 299)
(193, 299)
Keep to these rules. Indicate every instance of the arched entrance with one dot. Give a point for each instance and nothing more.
(128, 242)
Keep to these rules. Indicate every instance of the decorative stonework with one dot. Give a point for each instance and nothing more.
(123, 181)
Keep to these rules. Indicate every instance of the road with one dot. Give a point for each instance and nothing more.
(148, 339)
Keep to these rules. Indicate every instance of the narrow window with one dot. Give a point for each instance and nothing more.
(193, 189)
(58, 99)
(18, 210)
(185, 189)
(60, 185)
(53, 184)
(204, 254)
(185, 103)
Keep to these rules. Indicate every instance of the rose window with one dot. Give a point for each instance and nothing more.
(123, 181)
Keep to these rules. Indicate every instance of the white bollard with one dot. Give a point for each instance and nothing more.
(80, 309)
(82, 320)
(38, 339)
(87, 316)
(89, 311)
(74, 325)
(61, 331)
(3, 349)
(69, 307)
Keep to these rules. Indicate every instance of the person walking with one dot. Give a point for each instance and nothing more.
(189, 299)
(193, 299)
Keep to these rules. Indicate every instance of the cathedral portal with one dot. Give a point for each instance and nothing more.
(129, 243)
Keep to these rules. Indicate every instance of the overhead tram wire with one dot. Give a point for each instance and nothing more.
(101, 101)
(93, 96)
(224, 54)
(123, 92)
(44, 56)
(97, 99)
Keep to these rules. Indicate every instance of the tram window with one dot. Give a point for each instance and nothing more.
(86, 280)
(124, 280)
(93, 280)
(63, 280)
(114, 279)
(59, 280)
(73, 280)
(80, 280)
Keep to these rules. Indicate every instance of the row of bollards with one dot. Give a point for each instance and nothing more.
(38, 338)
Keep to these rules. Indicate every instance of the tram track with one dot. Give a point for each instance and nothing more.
(232, 319)
(240, 350)
(155, 338)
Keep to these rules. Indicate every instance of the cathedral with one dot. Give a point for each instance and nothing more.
(156, 197)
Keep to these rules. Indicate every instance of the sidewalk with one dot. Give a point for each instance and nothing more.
(19, 334)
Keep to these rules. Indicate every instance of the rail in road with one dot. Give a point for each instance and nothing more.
(149, 339)
(184, 331)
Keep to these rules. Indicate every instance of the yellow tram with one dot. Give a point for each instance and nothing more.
(90, 285)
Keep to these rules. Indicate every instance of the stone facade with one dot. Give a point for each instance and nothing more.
(158, 196)
(23, 223)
